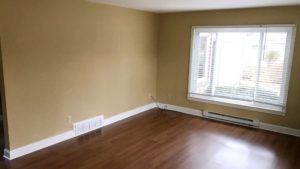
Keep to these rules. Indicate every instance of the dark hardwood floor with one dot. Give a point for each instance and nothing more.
(168, 140)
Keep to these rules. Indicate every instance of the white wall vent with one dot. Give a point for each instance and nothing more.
(231, 119)
(88, 125)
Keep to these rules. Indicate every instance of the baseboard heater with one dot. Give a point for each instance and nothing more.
(231, 119)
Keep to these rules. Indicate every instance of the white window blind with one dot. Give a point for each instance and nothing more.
(242, 66)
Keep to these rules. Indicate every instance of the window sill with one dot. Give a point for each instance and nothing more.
(260, 107)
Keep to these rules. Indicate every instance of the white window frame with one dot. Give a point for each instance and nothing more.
(253, 106)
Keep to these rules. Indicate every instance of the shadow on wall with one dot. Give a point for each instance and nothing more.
(3, 120)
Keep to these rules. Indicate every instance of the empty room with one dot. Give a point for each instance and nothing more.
(150, 84)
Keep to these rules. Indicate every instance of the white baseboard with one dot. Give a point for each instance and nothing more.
(180, 109)
(18, 152)
(280, 129)
(263, 126)
(12, 154)
(127, 114)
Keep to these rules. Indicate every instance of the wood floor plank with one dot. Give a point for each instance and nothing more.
(168, 140)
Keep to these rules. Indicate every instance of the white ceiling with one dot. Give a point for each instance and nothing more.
(161, 6)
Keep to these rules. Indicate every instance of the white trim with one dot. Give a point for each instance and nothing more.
(6, 154)
(290, 61)
(263, 126)
(280, 129)
(191, 86)
(221, 27)
(184, 110)
(12, 154)
(127, 114)
(260, 107)
(27, 149)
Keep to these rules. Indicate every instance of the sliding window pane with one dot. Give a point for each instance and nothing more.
(205, 62)
(235, 69)
(270, 80)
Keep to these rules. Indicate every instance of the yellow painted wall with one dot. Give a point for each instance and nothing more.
(174, 53)
(72, 57)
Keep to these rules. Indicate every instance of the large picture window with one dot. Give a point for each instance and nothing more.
(246, 67)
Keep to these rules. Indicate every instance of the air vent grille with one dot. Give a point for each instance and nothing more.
(88, 125)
